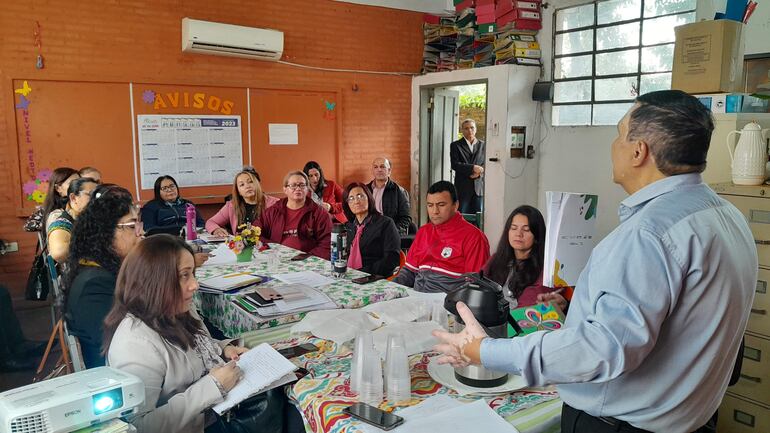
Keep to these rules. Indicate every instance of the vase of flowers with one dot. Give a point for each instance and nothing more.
(244, 241)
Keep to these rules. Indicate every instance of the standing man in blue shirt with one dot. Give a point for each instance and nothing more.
(659, 310)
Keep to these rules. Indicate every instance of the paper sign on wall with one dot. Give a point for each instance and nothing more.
(283, 133)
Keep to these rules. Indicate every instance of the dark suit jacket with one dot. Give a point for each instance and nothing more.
(379, 244)
(395, 204)
(462, 163)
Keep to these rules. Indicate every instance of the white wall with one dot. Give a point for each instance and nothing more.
(577, 159)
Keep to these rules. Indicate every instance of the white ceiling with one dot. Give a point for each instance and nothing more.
(427, 6)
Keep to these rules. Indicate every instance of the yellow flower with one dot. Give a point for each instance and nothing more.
(237, 238)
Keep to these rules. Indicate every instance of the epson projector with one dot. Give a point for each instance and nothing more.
(70, 402)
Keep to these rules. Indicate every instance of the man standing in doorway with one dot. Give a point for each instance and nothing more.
(467, 159)
(390, 198)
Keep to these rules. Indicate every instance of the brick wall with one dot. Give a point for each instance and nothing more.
(139, 40)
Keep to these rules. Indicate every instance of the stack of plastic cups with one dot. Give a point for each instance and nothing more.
(362, 345)
(370, 388)
(398, 383)
(439, 315)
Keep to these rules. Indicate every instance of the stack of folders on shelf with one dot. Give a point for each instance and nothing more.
(283, 299)
(230, 282)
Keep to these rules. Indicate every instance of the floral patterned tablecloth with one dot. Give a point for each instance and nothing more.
(233, 321)
(324, 392)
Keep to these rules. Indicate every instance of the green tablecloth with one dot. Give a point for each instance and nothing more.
(234, 322)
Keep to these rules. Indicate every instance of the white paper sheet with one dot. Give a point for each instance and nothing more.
(447, 415)
(283, 133)
(308, 278)
(222, 255)
(261, 366)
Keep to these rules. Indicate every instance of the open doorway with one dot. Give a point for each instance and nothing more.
(443, 109)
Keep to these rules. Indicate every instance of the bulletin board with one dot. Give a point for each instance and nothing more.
(197, 102)
(68, 123)
(71, 124)
(316, 115)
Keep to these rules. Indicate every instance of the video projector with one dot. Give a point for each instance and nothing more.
(70, 402)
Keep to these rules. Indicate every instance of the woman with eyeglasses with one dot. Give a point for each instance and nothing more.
(373, 237)
(59, 231)
(325, 192)
(167, 212)
(247, 204)
(154, 333)
(297, 221)
(103, 235)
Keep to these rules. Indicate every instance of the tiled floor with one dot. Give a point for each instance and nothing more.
(36, 323)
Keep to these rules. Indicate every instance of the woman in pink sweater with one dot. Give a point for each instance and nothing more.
(246, 206)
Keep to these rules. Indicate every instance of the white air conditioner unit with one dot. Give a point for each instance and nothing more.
(219, 39)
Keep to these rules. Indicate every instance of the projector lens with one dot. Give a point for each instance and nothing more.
(107, 401)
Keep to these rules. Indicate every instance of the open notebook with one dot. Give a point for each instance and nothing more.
(263, 369)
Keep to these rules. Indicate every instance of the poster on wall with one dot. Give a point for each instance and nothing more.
(197, 150)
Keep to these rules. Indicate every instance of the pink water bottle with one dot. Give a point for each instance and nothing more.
(190, 214)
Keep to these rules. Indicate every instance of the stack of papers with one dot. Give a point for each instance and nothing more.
(297, 298)
(570, 236)
(263, 369)
(307, 278)
(440, 44)
(483, 50)
(228, 282)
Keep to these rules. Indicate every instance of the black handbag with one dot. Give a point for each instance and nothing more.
(262, 413)
(38, 283)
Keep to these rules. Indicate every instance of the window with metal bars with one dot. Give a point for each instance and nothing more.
(608, 52)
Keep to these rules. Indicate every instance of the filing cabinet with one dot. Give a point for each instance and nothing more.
(746, 406)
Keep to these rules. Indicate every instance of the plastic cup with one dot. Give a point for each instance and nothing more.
(398, 382)
(370, 388)
(439, 315)
(423, 311)
(362, 345)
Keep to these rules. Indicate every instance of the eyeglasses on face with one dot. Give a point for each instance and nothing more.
(357, 197)
(137, 226)
(168, 188)
(296, 186)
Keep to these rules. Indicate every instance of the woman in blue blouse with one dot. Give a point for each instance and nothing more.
(168, 211)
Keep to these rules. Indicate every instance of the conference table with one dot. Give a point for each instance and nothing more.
(324, 392)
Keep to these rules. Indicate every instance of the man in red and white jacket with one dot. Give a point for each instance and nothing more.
(445, 248)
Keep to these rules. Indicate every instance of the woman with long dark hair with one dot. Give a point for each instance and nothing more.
(102, 236)
(59, 232)
(247, 204)
(167, 212)
(373, 239)
(517, 264)
(325, 192)
(154, 333)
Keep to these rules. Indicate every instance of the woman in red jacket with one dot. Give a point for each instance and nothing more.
(327, 193)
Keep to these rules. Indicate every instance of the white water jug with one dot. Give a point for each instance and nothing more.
(749, 155)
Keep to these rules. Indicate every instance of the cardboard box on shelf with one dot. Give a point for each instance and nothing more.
(708, 57)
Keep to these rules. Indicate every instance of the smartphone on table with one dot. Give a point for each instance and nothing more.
(374, 416)
(299, 257)
(295, 351)
(367, 279)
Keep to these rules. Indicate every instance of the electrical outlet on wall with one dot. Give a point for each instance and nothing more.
(9, 247)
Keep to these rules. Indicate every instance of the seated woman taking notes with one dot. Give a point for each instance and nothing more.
(326, 193)
(167, 212)
(296, 221)
(373, 238)
(153, 332)
(517, 265)
(247, 204)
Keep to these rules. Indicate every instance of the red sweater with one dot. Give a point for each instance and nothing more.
(453, 248)
(314, 228)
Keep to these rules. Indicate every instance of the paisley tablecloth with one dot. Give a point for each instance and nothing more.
(323, 394)
(233, 321)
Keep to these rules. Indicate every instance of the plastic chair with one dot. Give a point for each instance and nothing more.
(401, 261)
